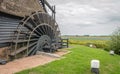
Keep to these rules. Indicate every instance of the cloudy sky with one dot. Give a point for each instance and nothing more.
(83, 17)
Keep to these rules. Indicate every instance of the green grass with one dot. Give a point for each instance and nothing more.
(98, 41)
(89, 38)
(78, 62)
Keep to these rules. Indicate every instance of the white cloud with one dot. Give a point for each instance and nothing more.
(87, 16)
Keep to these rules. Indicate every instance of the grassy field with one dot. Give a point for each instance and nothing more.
(82, 38)
(78, 62)
(98, 41)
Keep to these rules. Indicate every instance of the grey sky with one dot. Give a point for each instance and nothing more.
(81, 17)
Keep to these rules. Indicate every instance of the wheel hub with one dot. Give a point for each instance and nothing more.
(43, 41)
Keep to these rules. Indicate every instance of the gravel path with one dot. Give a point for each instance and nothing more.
(28, 62)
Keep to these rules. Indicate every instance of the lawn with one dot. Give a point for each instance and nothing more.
(78, 62)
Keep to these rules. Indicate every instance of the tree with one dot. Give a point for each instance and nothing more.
(115, 41)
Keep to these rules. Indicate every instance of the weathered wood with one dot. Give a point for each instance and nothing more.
(20, 7)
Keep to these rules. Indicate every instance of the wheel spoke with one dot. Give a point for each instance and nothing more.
(31, 29)
(48, 31)
(22, 49)
(40, 18)
(37, 19)
(45, 29)
(31, 50)
(41, 31)
(34, 23)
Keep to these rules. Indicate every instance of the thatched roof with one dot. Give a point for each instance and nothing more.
(20, 7)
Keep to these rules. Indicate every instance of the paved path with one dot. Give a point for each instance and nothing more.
(28, 62)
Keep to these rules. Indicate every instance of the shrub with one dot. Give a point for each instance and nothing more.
(115, 41)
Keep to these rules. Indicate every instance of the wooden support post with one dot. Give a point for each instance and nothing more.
(65, 43)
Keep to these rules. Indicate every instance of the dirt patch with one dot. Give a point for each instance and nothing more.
(62, 52)
(28, 62)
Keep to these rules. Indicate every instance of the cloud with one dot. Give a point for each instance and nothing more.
(87, 16)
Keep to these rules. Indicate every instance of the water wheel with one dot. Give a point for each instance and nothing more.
(37, 32)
